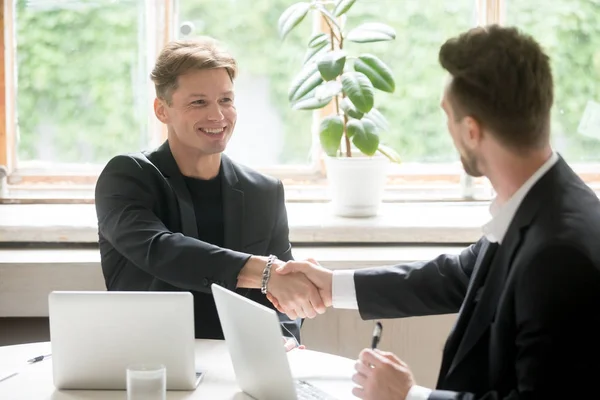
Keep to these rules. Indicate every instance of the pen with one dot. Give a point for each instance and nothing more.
(38, 358)
(5, 377)
(376, 335)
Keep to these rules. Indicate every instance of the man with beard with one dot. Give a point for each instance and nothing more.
(528, 292)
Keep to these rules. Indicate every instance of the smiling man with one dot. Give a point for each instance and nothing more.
(184, 216)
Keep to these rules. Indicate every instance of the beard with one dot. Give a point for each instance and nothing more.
(469, 162)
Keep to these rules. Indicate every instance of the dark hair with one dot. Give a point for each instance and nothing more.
(502, 78)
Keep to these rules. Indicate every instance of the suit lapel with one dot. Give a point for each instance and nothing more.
(484, 310)
(484, 258)
(172, 174)
(233, 206)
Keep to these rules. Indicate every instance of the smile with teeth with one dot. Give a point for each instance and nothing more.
(213, 131)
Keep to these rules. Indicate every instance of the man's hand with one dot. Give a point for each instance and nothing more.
(297, 296)
(381, 376)
(290, 344)
(319, 276)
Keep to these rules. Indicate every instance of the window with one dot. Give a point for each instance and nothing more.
(77, 85)
(570, 33)
(417, 127)
(418, 130)
(82, 92)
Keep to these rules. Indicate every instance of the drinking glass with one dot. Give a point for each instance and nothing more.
(146, 382)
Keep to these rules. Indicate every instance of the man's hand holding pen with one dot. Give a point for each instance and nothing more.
(381, 375)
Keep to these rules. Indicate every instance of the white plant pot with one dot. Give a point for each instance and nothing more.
(356, 184)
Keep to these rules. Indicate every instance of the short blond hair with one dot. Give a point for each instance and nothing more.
(182, 56)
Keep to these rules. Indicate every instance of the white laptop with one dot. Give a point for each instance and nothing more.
(254, 339)
(96, 335)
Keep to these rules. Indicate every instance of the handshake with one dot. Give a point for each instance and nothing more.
(300, 289)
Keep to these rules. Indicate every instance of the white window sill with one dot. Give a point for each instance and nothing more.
(28, 275)
(310, 223)
(332, 257)
(403, 232)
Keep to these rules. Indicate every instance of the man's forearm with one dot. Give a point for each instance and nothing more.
(250, 275)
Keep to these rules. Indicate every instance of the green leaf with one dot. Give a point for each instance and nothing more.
(377, 71)
(390, 153)
(359, 89)
(308, 79)
(318, 39)
(366, 139)
(331, 131)
(371, 32)
(354, 127)
(342, 6)
(315, 51)
(349, 109)
(291, 17)
(328, 90)
(331, 65)
(378, 119)
(310, 103)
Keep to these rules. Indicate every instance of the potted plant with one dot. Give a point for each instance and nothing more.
(356, 159)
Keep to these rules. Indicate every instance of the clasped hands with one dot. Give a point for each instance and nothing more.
(300, 289)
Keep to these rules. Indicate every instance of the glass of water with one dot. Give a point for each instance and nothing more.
(146, 382)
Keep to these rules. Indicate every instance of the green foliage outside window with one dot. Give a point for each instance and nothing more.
(569, 30)
(81, 89)
(83, 92)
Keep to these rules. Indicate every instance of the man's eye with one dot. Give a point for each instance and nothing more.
(198, 102)
(227, 100)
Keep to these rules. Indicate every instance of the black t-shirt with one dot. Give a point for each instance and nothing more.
(207, 198)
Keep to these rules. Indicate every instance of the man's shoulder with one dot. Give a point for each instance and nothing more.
(133, 173)
(131, 162)
(569, 219)
(567, 202)
(250, 176)
(573, 204)
(134, 169)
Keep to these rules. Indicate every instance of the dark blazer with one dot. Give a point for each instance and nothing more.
(529, 322)
(148, 234)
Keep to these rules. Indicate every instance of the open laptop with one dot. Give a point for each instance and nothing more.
(255, 344)
(95, 335)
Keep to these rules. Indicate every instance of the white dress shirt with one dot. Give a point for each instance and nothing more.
(503, 214)
(344, 290)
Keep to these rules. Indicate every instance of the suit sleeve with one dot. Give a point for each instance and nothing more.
(125, 201)
(281, 247)
(557, 303)
(280, 239)
(416, 289)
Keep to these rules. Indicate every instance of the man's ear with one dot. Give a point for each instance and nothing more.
(473, 132)
(160, 110)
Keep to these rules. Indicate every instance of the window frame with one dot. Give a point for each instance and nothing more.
(406, 182)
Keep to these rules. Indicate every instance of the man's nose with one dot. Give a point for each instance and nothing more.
(215, 113)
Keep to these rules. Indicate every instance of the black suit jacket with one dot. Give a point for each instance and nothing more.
(148, 234)
(529, 322)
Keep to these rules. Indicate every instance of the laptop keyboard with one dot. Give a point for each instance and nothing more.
(306, 391)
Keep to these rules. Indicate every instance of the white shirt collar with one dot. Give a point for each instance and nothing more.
(503, 214)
